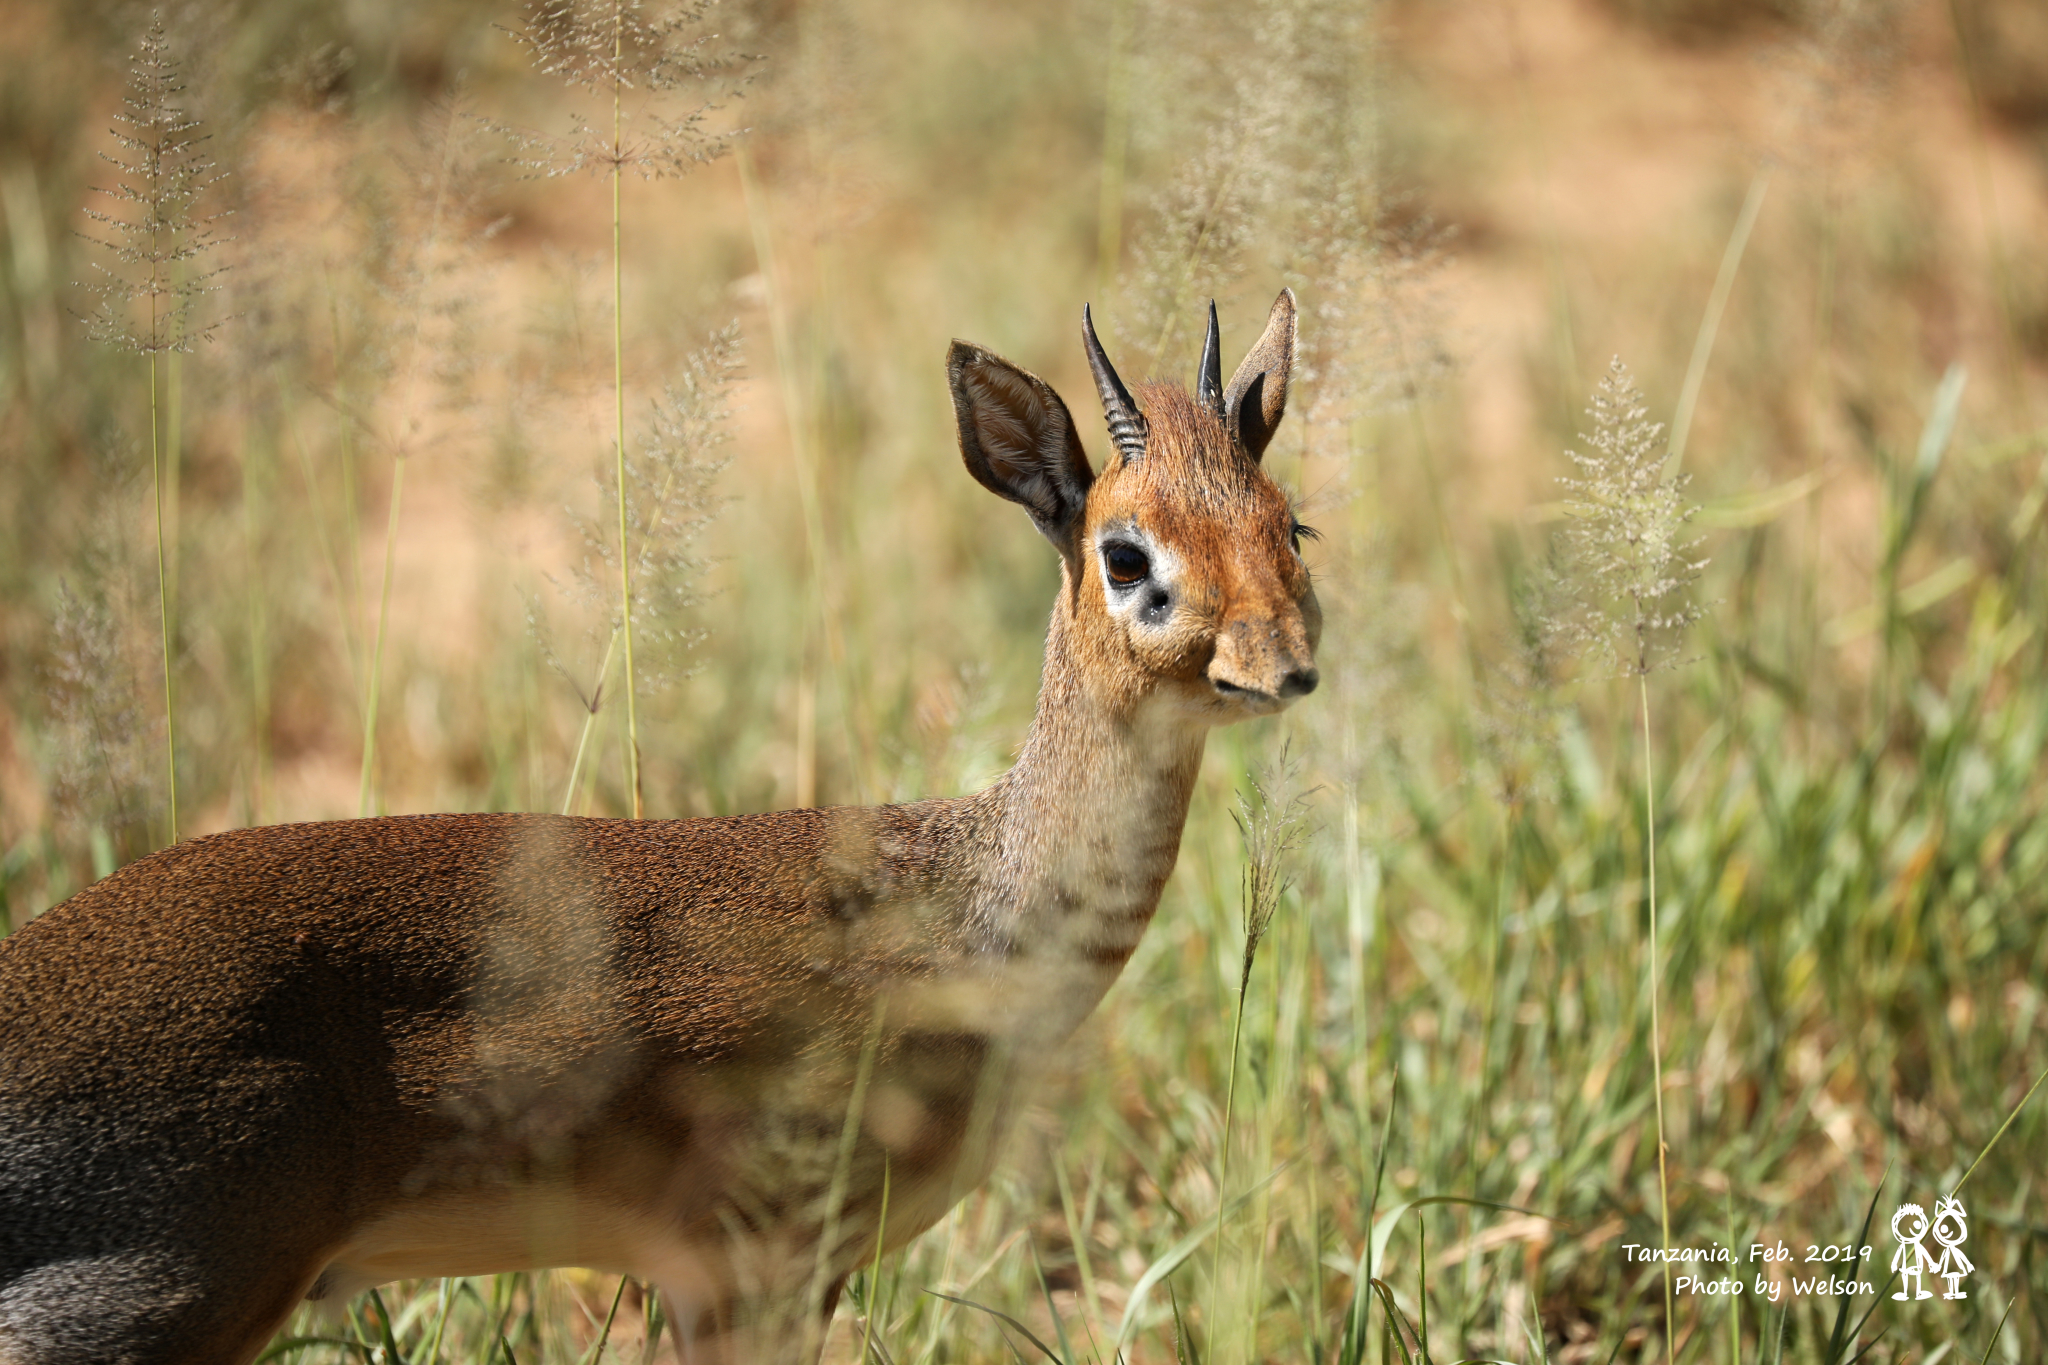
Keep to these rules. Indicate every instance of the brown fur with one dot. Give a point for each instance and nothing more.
(298, 1061)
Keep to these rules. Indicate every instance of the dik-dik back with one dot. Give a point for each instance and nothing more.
(295, 1062)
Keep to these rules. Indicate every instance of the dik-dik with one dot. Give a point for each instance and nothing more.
(295, 1062)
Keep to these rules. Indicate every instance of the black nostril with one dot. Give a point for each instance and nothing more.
(1300, 682)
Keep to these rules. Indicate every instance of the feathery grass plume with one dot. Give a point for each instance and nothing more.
(1370, 336)
(1271, 823)
(99, 771)
(668, 500)
(1283, 172)
(611, 47)
(1629, 568)
(1203, 222)
(156, 231)
(156, 226)
(1628, 560)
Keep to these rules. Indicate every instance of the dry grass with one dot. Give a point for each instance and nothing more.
(1451, 1001)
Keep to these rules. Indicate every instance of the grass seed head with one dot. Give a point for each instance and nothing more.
(101, 768)
(1271, 823)
(671, 477)
(156, 227)
(679, 75)
(670, 496)
(1628, 559)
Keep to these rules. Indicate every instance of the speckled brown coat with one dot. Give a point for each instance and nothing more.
(294, 1062)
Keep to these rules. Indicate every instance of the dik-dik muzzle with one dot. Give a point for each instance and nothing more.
(1265, 651)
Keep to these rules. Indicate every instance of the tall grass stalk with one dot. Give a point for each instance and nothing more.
(665, 491)
(1654, 970)
(1710, 323)
(1628, 569)
(619, 407)
(805, 441)
(609, 47)
(430, 246)
(373, 691)
(1212, 1318)
(867, 1335)
(590, 709)
(163, 591)
(1269, 833)
(155, 232)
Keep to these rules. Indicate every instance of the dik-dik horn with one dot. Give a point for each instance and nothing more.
(295, 1062)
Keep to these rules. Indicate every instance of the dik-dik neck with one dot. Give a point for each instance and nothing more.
(1087, 829)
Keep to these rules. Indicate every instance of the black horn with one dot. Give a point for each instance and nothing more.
(1209, 377)
(1126, 423)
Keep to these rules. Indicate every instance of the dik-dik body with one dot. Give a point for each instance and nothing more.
(295, 1062)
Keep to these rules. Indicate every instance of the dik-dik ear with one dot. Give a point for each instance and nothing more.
(1019, 441)
(1258, 391)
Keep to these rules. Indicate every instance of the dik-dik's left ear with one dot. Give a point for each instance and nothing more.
(1258, 391)
(1019, 441)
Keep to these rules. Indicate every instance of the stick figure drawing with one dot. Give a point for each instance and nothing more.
(1911, 1258)
(1951, 1228)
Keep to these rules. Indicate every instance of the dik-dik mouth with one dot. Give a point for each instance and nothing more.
(1297, 683)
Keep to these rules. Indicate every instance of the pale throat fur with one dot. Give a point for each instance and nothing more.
(1086, 831)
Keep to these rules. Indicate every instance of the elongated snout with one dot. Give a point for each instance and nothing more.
(1265, 660)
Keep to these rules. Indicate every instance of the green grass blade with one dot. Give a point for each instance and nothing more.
(1185, 1352)
(1842, 1334)
(604, 1336)
(1998, 1331)
(1052, 1309)
(1384, 1227)
(2000, 1133)
(1934, 441)
(1002, 1317)
(1395, 1322)
(280, 1349)
(1175, 1255)
(1710, 322)
(392, 1353)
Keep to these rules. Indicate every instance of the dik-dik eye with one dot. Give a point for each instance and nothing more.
(1300, 532)
(1127, 565)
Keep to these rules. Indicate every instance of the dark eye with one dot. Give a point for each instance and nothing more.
(1300, 531)
(1127, 565)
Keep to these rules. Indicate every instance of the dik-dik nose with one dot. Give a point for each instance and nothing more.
(1300, 682)
(1270, 661)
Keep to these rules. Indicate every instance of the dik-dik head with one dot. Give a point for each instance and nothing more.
(1183, 575)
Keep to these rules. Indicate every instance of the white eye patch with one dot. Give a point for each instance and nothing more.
(1139, 575)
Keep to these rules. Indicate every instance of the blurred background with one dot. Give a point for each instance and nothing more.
(353, 486)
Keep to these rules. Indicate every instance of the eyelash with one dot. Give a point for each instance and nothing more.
(1300, 530)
